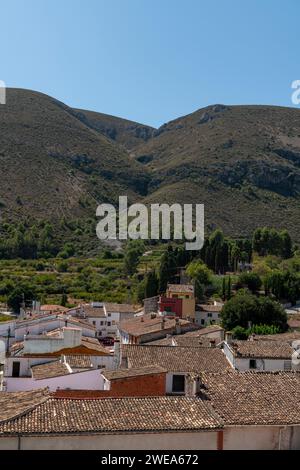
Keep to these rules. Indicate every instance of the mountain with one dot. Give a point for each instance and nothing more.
(129, 134)
(242, 162)
(53, 165)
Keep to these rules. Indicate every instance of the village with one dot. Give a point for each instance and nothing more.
(163, 375)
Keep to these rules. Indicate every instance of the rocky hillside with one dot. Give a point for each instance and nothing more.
(242, 162)
(53, 165)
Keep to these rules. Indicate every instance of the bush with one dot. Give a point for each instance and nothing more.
(246, 308)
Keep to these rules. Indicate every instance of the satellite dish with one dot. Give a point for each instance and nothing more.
(2, 352)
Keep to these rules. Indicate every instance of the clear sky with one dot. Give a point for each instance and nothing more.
(152, 60)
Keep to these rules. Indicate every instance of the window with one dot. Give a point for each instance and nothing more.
(168, 309)
(202, 321)
(99, 333)
(252, 364)
(209, 315)
(178, 383)
(16, 369)
(101, 323)
(109, 314)
(108, 323)
(113, 322)
(94, 323)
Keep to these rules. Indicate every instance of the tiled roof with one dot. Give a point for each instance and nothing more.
(176, 359)
(14, 404)
(287, 337)
(123, 373)
(254, 398)
(121, 308)
(197, 338)
(93, 312)
(79, 361)
(189, 288)
(114, 415)
(50, 369)
(53, 308)
(145, 324)
(262, 349)
(182, 340)
(209, 308)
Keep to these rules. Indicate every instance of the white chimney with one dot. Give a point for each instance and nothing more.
(117, 354)
(72, 337)
(228, 337)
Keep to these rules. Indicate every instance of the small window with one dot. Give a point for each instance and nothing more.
(108, 323)
(16, 369)
(202, 321)
(109, 314)
(178, 383)
(94, 323)
(252, 364)
(101, 323)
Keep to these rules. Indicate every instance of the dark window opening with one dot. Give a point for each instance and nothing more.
(252, 363)
(178, 383)
(16, 369)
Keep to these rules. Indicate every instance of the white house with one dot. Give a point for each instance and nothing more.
(259, 355)
(104, 317)
(41, 349)
(207, 314)
(57, 375)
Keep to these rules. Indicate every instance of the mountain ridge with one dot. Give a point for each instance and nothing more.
(242, 162)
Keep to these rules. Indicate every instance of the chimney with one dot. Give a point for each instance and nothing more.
(177, 326)
(117, 354)
(72, 337)
(212, 343)
(228, 337)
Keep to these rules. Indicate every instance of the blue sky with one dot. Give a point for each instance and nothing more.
(152, 60)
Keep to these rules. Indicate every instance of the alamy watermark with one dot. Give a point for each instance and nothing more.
(296, 94)
(154, 222)
(2, 92)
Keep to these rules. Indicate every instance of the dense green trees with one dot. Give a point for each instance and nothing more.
(250, 280)
(268, 241)
(201, 275)
(133, 252)
(284, 285)
(244, 308)
(223, 254)
(22, 294)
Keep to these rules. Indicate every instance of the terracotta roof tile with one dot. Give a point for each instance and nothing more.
(262, 349)
(79, 361)
(254, 398)
(121, 308)
(49, 370)
(189, 288)
(176, 359)
(115, 415)
(14, 404)
(145, 324)
(134, 372)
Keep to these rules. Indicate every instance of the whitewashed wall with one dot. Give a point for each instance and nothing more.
(88, 380)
